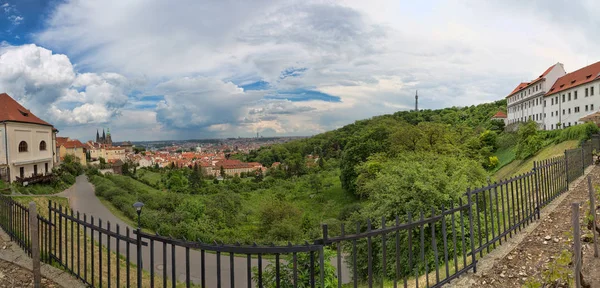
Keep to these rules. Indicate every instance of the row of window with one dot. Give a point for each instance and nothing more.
(565, 125)
(23, 147)
(525, 93)
(576, 110)
(529, 104)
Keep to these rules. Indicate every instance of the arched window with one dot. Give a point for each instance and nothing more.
(23, 146)
(43, 146)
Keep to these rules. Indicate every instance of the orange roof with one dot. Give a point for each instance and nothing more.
(576, 78)
(499, 114)
(524, 85)
(61, 141)
(12, 111)
(74, 144)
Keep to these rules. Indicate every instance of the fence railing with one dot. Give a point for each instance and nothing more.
(427, 249)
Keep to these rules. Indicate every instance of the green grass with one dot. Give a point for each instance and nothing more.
(517, 167)
(150, 176)
(41, 202)
(505, 156)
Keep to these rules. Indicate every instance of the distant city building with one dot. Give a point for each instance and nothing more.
(106, 139)
(27, 143)
(66, 146)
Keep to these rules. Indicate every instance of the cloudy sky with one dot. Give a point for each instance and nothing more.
(199, 69)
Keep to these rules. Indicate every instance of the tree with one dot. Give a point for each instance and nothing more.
(315, 182)
(321, 162)
(195, 179)
(528, 140)
(222, 172)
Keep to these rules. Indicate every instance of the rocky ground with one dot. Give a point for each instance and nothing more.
(543, 256)
(13, 275)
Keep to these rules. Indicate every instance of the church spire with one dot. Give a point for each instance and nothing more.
(97, 136)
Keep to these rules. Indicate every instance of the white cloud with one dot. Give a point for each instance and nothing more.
(16, 19)
(48, 84)
(371, 54)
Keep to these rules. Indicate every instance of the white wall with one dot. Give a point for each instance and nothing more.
(32, 134)
(581, 102)
(3, 160)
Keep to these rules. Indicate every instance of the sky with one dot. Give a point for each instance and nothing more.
(188, 69)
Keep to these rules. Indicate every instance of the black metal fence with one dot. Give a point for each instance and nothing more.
(425, 250)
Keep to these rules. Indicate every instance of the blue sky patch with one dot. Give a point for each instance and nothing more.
(19, 19)
(258, 85)
(299, 95)
(292, 72)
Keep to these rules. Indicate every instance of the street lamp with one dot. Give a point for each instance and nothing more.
(138, 207)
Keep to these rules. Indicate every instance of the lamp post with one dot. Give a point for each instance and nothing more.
(138, 207)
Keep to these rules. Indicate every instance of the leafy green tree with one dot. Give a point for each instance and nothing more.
(488, 138)
(195, 179)
(279, 221)
(315, 182)
(529, 141)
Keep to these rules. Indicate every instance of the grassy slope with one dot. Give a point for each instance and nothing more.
(151, 177)
(522, 166)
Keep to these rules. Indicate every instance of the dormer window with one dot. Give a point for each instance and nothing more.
(588, 76)
(24, 113)
(563, 85)
(573, 81)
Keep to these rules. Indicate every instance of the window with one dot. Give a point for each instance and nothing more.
(575, 95)
(34, 169)
(536, 102)
(544, 115)
(551, 126)
(551, 114)
(23, 146)
(544, 103)
(551, 101)
(556, 99)
(563, 111)
(586, 107)
(592, 91)
(22, 172)
(576, 109)
(43, 146)
(46, 167)
(569, 110)
(586, 92)
(563, 98)
(592, 107)
(569, 96)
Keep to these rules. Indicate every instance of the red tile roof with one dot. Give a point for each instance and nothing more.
(12, 111)
(499, 114)
(68, 143)
(524, 85)
(576, 78)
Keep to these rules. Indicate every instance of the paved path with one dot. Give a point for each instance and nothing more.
(83, 199)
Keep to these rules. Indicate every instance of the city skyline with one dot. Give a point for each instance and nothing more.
(199, 70)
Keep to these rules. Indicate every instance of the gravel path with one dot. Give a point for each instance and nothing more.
(541, 246)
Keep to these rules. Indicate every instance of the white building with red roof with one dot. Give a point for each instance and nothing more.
(526, 101)
(27, 143)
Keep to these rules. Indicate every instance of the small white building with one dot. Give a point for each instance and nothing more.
(27, 143)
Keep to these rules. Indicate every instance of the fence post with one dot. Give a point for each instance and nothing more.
(593, 212)
(567, 169)
(35, 242)
(471, 234)
(576, 244)
(139, 257)
(537, 191)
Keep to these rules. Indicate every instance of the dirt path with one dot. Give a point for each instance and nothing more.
(15, 268)
(539, 252)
